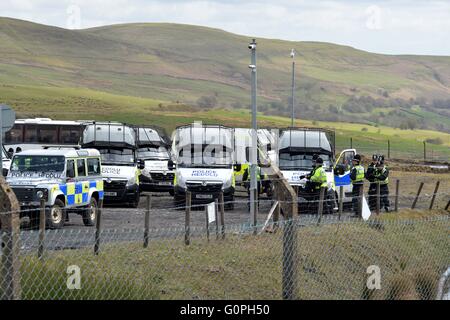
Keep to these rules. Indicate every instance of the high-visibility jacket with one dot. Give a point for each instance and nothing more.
(247, 175)
(382, 175)
(357, 174)
(319, 177)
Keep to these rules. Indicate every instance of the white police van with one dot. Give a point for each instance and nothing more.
(69, 180)
(153, 147)
(204, 164)
(116, 143)
(296, 149)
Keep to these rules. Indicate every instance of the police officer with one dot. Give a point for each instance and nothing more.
(382, 177)
(246, 178)
(357, 178)
(370, 175)
(316, 179)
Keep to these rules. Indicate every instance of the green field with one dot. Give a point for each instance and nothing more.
(411, 249)
(86, 104)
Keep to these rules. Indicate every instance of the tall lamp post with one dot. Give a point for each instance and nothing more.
(293, 87)
(253, 153)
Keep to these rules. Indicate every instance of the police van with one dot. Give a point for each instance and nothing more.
(69, 180)
(121, 168)
(296, 149)
(204, 164)
(154, 149)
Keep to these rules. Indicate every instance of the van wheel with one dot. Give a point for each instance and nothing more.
(90, 213)
(55, 215)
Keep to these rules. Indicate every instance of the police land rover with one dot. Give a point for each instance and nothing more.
(69, 180)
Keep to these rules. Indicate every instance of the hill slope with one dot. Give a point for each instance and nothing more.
(181, 63)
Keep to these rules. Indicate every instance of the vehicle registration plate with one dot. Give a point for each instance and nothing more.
(164, 183)
(110, 194)
(204, 196)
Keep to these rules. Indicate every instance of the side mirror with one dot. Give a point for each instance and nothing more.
(141, 164)
(171, 165)
(237, 167)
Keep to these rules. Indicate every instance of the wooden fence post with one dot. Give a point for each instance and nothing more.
(147, 220)
(216, 212)
(222, 214)
(397, 190)
(287, 200)
(417, 196)
(434, 194)
(98, 220)
(10, 243)
(389, 150)
(378, 198)
(187, 220)
(207, 222)
(41, 229)
(321, 202)
(360, 200)
(424, 151)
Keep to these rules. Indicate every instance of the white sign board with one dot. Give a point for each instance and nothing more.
(211, 212)
(365, 210)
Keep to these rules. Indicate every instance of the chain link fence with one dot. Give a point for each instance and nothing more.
(383, 258)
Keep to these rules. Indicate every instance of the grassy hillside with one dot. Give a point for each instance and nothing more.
(172, 62)
(155, 73)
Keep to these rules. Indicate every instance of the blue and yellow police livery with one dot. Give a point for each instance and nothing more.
(67, 180)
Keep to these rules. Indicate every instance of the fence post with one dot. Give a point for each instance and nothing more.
(341, 201)
(434, 194)
(255, 212)
(207, 222)
(187, 220)
(417, 196)
(98, 221)
(147, 220)
(41, 229)
(397, 190)
(424, 151)
(287, 200)
(351, 143)
(276, 214)
(321, 200)
(389, 149)
(360, 200)
(222, 214)
(10, 243)
(216, 210)
(378, 198)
